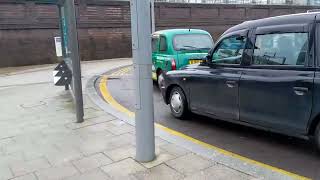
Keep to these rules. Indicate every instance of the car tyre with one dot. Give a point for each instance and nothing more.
(178, 103)
(159, 79)
(317, 137)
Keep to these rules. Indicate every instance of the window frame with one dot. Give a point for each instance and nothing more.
(282, 29)
(243, 33)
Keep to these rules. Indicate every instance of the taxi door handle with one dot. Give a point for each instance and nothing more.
(231, 84)
(300, 91)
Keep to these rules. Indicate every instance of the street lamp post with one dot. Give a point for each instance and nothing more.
(141, 51)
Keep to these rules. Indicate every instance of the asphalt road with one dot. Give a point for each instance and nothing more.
(291, 154)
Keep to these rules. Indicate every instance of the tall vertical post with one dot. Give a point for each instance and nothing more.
(141, 51)
(153, 19)
(75, 58)
(63, 40)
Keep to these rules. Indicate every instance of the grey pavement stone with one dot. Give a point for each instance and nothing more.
(174, 149)
(94, 128)
(25, 167)
(26, 177)
(74, 125)
(118, 127)
(102, 119)
(123, 169)
(160, 142)
(121, 153)
(161, 172)
(160, 158)
(96, 174)
(95, 146)
(58, 172)
(219, 172)
(63, 155)
(189, 163)
(5, 172)
(92, 162)
(38, 151)
(100, 135)
(6, 160)
(4, 142)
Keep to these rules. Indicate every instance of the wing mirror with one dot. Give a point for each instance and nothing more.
(208, 57)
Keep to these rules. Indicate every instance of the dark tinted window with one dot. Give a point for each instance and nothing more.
(163, 44)
(154, 44)
(281, 49)
(192, 42)
(230, 50)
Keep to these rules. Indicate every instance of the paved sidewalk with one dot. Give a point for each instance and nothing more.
(39, 139)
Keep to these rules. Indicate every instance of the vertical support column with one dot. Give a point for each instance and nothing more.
(153, 19)
(62, 35)
(74, 55)
(141, 50)
(62, 31)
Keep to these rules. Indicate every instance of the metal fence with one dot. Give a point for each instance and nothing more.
(262, 2)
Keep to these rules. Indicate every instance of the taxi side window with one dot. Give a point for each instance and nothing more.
(281, 49)
(154, 43)
(230, 50)
(163, 44)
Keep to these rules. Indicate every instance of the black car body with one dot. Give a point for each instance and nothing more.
(263, 73)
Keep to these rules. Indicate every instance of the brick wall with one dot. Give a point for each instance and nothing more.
(27, 29)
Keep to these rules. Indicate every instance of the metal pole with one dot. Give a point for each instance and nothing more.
(61, 21)
(74, 49)
(153, 21)
(63, 44)
(141, 50)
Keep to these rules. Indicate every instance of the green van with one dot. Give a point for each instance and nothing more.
(175, 48)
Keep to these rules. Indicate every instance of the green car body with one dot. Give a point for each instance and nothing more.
(175, 48)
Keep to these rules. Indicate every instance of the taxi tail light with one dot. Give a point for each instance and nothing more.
(173, 64)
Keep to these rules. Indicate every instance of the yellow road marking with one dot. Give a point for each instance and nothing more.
(108, 98)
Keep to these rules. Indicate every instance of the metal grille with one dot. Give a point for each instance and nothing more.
(262, 2)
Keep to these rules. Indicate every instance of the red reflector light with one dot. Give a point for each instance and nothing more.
(173, 64)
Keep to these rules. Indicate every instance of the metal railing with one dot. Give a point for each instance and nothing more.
(258, 2)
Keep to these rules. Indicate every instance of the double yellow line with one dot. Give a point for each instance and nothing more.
(103, 86)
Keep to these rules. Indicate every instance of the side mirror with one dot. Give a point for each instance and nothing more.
(208, 57)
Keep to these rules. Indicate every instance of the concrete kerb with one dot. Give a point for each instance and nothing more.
(225, 158)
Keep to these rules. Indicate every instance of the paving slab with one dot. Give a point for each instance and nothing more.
(96, 174)
(25, 167)
(5, 172)
(123, 169)
(189, 164)
(122, 152)
(92, 162)
(219, 172)
(174, 149)
(161, 172)
(26, 177)
(58, 172)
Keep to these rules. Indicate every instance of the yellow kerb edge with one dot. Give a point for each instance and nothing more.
(108, 98)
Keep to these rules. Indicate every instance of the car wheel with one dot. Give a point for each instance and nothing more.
(178, 103)
(160, 79)
(317, 137)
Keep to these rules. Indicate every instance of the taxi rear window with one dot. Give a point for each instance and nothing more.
(192, 42)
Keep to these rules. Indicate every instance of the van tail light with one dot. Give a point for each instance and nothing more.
(173, 64)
